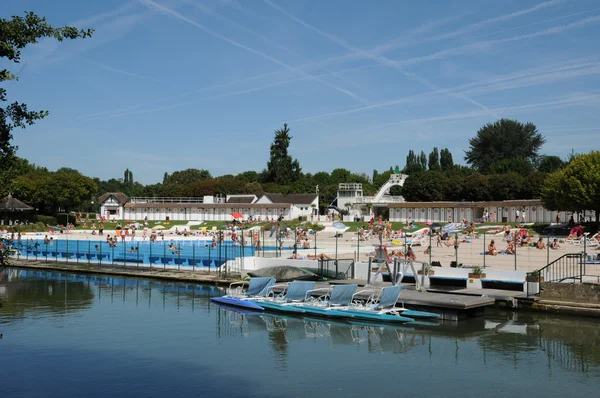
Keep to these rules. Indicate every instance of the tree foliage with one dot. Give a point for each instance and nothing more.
(51, 191)
(187, 176)
(414, 163)
(424, 186)
(576, 187)
(503, 140)
(281, 168)
(434, 160)
(15, 34)
(550, 164)
(446, 161)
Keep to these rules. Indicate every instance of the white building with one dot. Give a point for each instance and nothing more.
(301, 205)
(209, 208)
(505, 211)
(112, 205)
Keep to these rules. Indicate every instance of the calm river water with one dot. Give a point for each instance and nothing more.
(77, 335)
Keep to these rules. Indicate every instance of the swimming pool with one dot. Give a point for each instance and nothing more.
(181, 253)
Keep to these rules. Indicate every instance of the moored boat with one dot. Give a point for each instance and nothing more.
(257, 288)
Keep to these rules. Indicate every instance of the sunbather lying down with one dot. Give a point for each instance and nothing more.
(321, 256)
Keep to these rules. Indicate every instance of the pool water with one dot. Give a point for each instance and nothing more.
(96, 336)
(186, 253)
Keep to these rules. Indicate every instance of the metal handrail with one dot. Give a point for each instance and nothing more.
(567, 266)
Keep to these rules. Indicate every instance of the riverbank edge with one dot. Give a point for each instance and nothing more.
(159, 274)
(546, 306)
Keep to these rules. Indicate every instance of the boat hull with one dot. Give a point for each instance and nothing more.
(237, 302)
(419, 314)
(280, 307)
(376, 316)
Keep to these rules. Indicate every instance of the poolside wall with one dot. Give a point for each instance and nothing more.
(573, 292)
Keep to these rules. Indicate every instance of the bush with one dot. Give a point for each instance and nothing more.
(36, 227)
(48, 220)
(314, 227)
(65, 218)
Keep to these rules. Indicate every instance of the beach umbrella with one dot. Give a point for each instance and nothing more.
(338, 225)
(158, 227)
(237, 215)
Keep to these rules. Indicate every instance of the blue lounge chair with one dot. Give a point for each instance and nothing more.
(294, 292)
(383, 308)
(327, 305)
(257, 287)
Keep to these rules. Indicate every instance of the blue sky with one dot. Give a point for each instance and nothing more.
(166, 85)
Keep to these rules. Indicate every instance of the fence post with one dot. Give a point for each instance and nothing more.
(315, 245)
(193, 257)
(358, 247)
(456, 248)
(430, 233)
(336, 247)
(548, 250)
(515, 241)
(484, 249)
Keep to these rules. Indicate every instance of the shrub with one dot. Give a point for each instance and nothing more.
(35, 227)
(65, 218)
(48, 220)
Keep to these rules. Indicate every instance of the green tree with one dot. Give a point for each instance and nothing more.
(249, 176)
(253, 188)
(322, 178)
(230, 186)
(188, 176)
(514, 165)
(506, 186)
(504, 139)
(424, 186)
(423, 161)
(50, 191)
(281, 168)
(453, 187)
(476, 187)
(15, 34)
(434, 160)
(204, 188)
(446, 162)
(550, 164)
(340, 175)
(576, 187)
(532, 185)
(414, 163)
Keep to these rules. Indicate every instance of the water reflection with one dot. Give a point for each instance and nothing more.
(571, 343)
(116, 313)
(25, 292)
